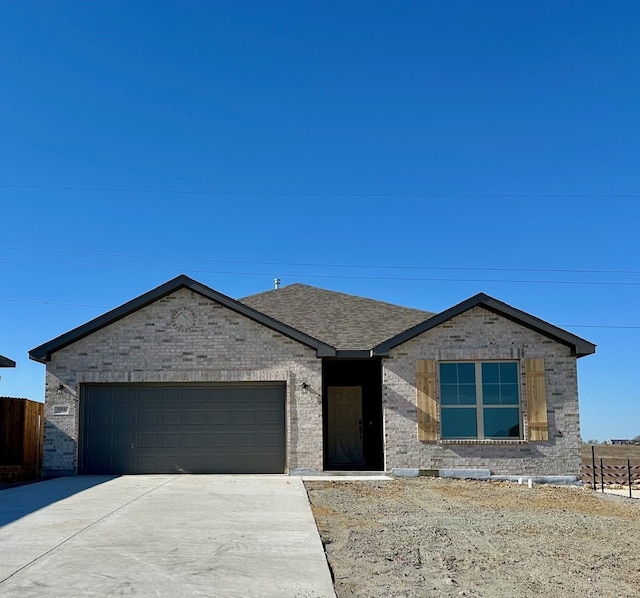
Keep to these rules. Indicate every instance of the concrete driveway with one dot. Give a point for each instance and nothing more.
(161, 535)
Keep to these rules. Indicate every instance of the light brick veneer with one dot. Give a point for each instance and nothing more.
(479, 334)
(151, 345)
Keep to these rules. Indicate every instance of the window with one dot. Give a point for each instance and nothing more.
(479, 400)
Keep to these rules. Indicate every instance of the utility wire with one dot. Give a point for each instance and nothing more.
(319, 194)
(314, 264)
(56, 303)
(331, 276)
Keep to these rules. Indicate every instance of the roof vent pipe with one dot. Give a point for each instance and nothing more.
(276, 283)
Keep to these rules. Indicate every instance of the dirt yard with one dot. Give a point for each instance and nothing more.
(437, 537)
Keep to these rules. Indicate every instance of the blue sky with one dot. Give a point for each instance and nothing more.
(412, 152)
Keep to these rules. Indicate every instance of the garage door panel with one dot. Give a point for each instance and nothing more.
(101, 396)
(269, 440)
(271, 416)
(173, 417)
(196, 417)
(98, 441)
(245, 439)
(195, 440)
(101, 411)
(195, 395)
(146, 418)
(219, 440)
(123, 396)
(244, 416)
(171, 463)
(218, 417)
(198, 429)
(170, 395)
(147, 396)
(171, 440)
(219, 395)
(122, 439)
(146, 440)
(123, 417)
(145, 463)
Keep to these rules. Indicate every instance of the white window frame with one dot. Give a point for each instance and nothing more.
(479, 404)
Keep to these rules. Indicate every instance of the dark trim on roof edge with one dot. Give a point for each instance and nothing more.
(353, 354)
(44, 351)
(5, 362)
(579, 346)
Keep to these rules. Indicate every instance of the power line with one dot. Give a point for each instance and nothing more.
(319, 194)
(56, 303)
(315, 264)
(332, 276)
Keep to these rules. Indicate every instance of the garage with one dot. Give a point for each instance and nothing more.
(182, 428)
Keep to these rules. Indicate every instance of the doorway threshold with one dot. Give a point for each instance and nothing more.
(341, 476)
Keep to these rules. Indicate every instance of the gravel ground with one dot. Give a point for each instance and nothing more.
(436, 537)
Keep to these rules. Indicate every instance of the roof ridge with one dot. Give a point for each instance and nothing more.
(336, 293)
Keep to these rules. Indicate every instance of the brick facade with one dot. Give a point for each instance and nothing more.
(479, 334)
(184, 337)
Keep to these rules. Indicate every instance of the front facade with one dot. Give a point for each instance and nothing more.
(184, 379)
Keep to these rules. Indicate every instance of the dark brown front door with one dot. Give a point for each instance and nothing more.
(345, 426)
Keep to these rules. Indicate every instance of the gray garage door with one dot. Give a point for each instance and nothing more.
(182, 429)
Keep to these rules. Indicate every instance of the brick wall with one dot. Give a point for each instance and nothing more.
(184, 337)
(479, 334)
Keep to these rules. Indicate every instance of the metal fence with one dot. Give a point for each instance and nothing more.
(598, 474)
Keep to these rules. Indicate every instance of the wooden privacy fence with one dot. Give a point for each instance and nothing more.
(21, 439)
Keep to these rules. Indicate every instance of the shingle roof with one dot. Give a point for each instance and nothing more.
(346, 322)
(335, 324)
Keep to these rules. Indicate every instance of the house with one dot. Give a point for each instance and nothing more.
(21, 433)
(186, 379)
(5, 362)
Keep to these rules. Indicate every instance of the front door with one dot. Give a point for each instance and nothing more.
(345, 426)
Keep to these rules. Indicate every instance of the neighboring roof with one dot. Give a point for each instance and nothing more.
(579, 346)
(5, 362)
(43, 352)
(346, 322)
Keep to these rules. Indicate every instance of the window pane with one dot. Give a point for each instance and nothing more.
(509, 373)
(459, 423)
(501, 423)
(449, 394)
(448, 373)
(491, 372)
(467, 394)
(466, 373)
(509, 394)
(491, 394)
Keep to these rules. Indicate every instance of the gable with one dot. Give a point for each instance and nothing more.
(181, 332)
(579, 347)
(43, 352)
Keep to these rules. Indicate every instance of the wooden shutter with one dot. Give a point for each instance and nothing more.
(426, 400)
(534, 376)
